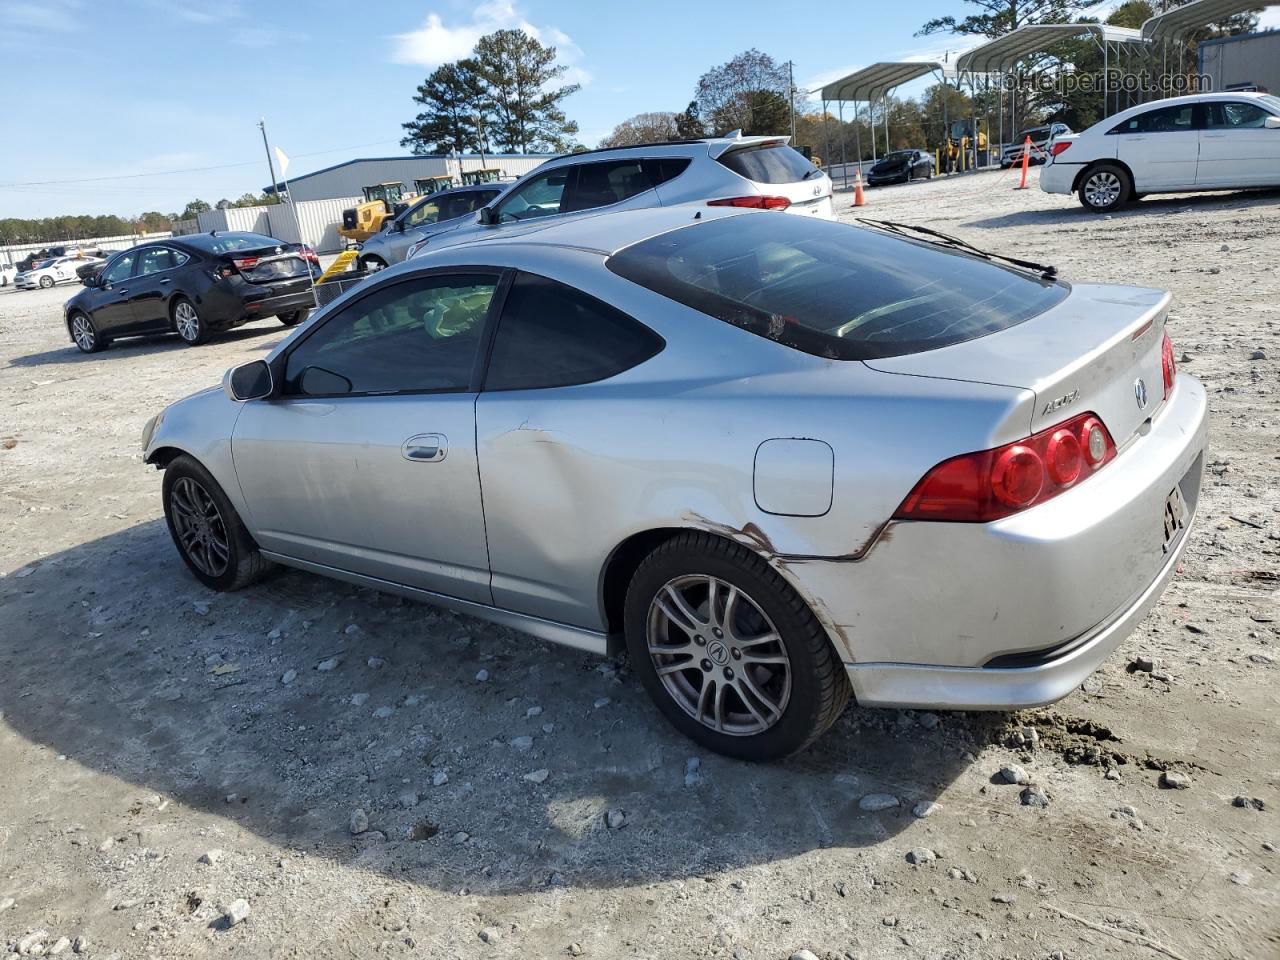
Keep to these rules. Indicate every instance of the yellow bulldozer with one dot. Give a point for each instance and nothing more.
(380, 202)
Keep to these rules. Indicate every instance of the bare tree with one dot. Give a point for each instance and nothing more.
(643, 128)
(744, 94)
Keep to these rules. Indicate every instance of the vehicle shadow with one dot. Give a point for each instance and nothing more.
(145, 676)
(154, 343)
(1072, 212)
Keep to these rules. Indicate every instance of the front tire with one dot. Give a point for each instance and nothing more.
(729, 653)
(294, 318)
(188, 322)
(85, 334)
(209, 535)
(1105, 188)
(46, 282)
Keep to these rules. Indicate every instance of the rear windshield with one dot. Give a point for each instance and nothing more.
(768, 163)
(229, 242)
(831, 289)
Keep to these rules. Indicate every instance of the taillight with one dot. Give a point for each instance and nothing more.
(755, 203)
(1060, 147)
(245, 263)
(990, 484)
(308, 254)
(1167, 364)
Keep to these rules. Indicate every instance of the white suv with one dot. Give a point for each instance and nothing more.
(735, 171)
(1211, 141)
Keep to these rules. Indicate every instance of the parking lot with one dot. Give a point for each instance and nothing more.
(525, 800)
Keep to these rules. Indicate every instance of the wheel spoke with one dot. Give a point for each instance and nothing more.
(769, 659)
(677, 610)
(718, 707)
(755, 711)
(755, 691)
(758, 641)
(676, 667)
(730, 608)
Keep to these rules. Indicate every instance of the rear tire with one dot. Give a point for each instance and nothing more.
(294, 318)
(188, 322)
(697, 615)
(209, 535)
(1105, 188)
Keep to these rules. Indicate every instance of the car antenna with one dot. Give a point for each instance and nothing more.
(698, 215)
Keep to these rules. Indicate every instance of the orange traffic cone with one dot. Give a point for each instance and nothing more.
(1026, 162)
(859, 198)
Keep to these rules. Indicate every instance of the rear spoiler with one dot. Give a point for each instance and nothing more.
(721, 147)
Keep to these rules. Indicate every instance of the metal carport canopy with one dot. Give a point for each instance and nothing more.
(1191, 16)
(876, 80)
(1003, 52)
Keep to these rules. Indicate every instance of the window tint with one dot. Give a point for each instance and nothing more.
(768, 163)
(551, 335)
(428, 212)
(418, 335)
(156, 259)
(540, 197)
(1235, 116)
(1164, 120)
(831, 289)
(662, 169)
(119, 270)
(229, 242)
(582, 187)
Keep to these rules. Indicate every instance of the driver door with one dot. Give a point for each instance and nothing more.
(366, 461)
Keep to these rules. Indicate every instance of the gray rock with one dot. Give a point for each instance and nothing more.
(1257, 355)
(575, 949)
(1242, 878)
(237, 911)
(461, 837)
(210, 857)
(376, 663)
(548, 728)
(482, 676)
(1004, 898)
(408, 800)
(921, 855)
(359, 821)
(1034, 796)
(490, 935)
(31, 941)
(1255, 803)
(538, 776)
(1012, 773)
(440, 779)
(325, 666)
(80, 944)
(533, 712)
(875, 802)
(383, 712)
(925, 808)
(962, 873)
(359, 699)
(692, 772)
(928, 720)
(804, 955)
(1172, 780)
(615, 819)
(1146, 663)
(6, 903)
(59, 947)
(522, 743)
(288, 677)
(1092, 685)
(601, 702)
(1112, 773)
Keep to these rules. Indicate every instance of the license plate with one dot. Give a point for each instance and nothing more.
(1175, 516)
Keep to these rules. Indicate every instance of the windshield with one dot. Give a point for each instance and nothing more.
(1272, 101)
(1035, 133)
(831, 289)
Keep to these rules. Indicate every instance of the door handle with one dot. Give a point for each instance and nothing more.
(122, 292)
(425, 448)
(167, 280)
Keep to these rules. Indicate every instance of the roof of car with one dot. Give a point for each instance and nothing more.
(1198, 98)
(712, 146)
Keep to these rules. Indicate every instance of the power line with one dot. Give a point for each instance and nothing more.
(167, 173)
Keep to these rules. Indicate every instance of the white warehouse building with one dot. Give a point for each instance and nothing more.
(350, 178)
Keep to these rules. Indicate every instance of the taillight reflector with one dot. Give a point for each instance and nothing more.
(755, 203)
(1060, 147)
(1168, 365)
(990, 484)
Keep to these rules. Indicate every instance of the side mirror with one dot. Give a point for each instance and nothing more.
(399, 227)
(1272, 123)
(249, 381)
(487, 216)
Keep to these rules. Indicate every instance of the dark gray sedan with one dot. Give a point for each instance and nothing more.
(437, 213)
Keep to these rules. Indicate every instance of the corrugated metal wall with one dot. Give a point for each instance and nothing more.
(1251, 58)
(319, 220)
(351, 179)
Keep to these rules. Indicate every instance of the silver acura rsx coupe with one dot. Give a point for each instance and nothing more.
(783, 460)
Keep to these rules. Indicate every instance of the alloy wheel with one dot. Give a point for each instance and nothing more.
(1102, 189)
(718, 655)
(202, 534)
(187, 321)
(82, 332)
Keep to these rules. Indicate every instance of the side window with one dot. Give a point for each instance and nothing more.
(552, 335)
(602, 184)
(157, 259)
(1164, 120)
(662, 169)
(119, 270)
(1235, 116)
(539, 197)
(428, 212)
(418, 335)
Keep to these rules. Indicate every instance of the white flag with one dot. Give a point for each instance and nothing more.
(284, 161)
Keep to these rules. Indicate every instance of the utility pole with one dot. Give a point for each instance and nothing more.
(791, 89)
(262, 125)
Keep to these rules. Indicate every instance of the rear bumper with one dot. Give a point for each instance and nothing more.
(1058, 177)
(1016, 612)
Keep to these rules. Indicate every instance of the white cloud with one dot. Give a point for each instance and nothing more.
(47, 17)
(436, 42)
(1269, 19)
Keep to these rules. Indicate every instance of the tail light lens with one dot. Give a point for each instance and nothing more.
(755, 203)
(308, 254)
(1168, 364)
(1058, 148)
(245, 263)
(990, 484)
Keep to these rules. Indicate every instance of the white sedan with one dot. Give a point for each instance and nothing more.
(46, 273)
(7, 272)
(1211, 141)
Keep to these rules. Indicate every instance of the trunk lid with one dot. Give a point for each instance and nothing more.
(275, 264)
(1089, 352)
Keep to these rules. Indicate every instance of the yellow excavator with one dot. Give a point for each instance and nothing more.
(380, 202)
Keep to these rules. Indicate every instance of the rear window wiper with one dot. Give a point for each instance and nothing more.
(1047, 272)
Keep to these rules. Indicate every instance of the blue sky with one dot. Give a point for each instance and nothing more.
(132, 89)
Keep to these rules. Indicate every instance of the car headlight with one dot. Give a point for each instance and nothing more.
(415, 247)
(149, 430)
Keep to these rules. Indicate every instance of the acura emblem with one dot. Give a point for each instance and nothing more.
(1140, 393)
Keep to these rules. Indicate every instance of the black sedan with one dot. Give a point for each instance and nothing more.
(195, 286)
(901, 166)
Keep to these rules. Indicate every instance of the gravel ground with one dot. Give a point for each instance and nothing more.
(304, 769)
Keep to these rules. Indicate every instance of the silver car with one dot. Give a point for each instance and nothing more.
(432, 215)
(782, 460)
